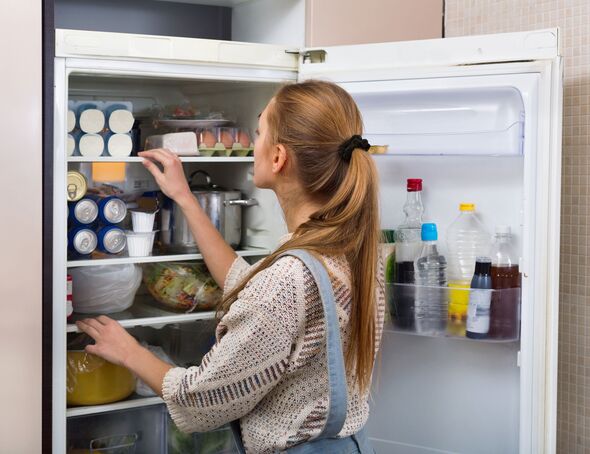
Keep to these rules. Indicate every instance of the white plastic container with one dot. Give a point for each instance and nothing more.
(91, 118)
(71, 145)
(71, 120)
(140, 244)
(118, 145)
(119, 117)
(91, 145)
(142, 221)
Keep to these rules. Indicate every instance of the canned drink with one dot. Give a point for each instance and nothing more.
(69, 305)
(111, 210)
(111, 239)
(76, 186)
(82, 240)
(84, 211)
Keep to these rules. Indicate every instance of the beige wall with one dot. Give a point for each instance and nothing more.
(20, 227)
(334, 22)
(466, 17)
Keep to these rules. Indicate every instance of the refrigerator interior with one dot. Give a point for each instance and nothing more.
(465, 139)
(240, 101)
(468, 139)
(187, 341)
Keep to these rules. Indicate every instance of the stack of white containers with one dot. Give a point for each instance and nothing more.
(97, 128)
(140, 240)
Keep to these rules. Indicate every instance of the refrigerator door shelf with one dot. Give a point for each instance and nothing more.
(442, 311)
(506, 142)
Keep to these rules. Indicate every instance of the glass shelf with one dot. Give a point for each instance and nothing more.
(99, 258)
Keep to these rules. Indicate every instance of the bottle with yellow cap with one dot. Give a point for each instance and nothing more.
(467, 238)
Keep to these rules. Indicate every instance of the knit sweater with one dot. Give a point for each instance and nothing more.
(268, 367)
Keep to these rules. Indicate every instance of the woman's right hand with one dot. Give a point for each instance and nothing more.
(171, 180)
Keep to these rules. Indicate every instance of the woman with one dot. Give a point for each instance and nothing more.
(269, 367)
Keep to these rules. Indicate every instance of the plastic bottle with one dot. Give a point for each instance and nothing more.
(480, 298)
(431, 281)
(467, 239)
(505, 307)
(408, 244)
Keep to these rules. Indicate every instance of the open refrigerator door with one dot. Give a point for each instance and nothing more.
(478, 119)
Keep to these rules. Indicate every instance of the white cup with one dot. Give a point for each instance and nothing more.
(140, 244)
(143, 221)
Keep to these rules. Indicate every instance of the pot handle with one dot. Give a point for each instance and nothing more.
(199, 172)
(242, 203)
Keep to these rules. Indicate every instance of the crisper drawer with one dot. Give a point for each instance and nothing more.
(218, 441)
(137, 431)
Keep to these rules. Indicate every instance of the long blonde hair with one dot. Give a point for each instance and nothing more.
(312, 119)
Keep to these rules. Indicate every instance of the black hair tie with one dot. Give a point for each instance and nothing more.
(348, 146)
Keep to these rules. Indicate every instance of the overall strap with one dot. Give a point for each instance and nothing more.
(337, 403)
(338, 396)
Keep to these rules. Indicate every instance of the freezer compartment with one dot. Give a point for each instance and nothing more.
(488, 315)
(122, 432)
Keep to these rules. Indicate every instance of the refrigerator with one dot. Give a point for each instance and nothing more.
(477, 118)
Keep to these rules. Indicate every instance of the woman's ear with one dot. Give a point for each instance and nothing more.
(279, 158)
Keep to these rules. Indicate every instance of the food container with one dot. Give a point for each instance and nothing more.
(93, 381)
(222, 206)
(104, 289)
(181, 286)
(140, 244)
(143, 221)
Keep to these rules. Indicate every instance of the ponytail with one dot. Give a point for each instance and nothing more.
(312, 120)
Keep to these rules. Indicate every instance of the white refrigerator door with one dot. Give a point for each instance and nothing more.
(443, 395)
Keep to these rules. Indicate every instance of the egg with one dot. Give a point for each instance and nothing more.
(207, 139)
(244, 139)
(226, 139)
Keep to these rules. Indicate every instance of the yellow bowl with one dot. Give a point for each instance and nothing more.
(93, 381)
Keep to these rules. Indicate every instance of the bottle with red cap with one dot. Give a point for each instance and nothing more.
(408, 246)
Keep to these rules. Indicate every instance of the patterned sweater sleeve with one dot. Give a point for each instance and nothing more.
(237, 271)
(255, 340)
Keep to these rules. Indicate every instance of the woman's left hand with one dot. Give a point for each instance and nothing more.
(112, 341)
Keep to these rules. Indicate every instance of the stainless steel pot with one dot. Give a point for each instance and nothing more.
(223, 207)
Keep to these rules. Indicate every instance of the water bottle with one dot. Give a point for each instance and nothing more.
(408, 244)
(467, 239)
(431, 281)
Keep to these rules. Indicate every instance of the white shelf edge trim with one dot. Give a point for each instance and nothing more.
(124, 405)
(249, 252)
(154, 321)
(182, 158)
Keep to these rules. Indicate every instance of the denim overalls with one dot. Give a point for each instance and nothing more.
(326, 442)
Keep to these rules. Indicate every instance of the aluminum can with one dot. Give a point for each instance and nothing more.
(111, 239)
(111, 210)
(84, 211)
(82, 240)
(76, 186)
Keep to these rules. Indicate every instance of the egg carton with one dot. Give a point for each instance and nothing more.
(220, 150)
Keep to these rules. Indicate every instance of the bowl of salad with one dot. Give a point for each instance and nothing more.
(182, 286)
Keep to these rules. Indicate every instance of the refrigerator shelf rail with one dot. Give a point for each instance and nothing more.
(147, 320)
(200, 159)
(135, 401)
(104, 259)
